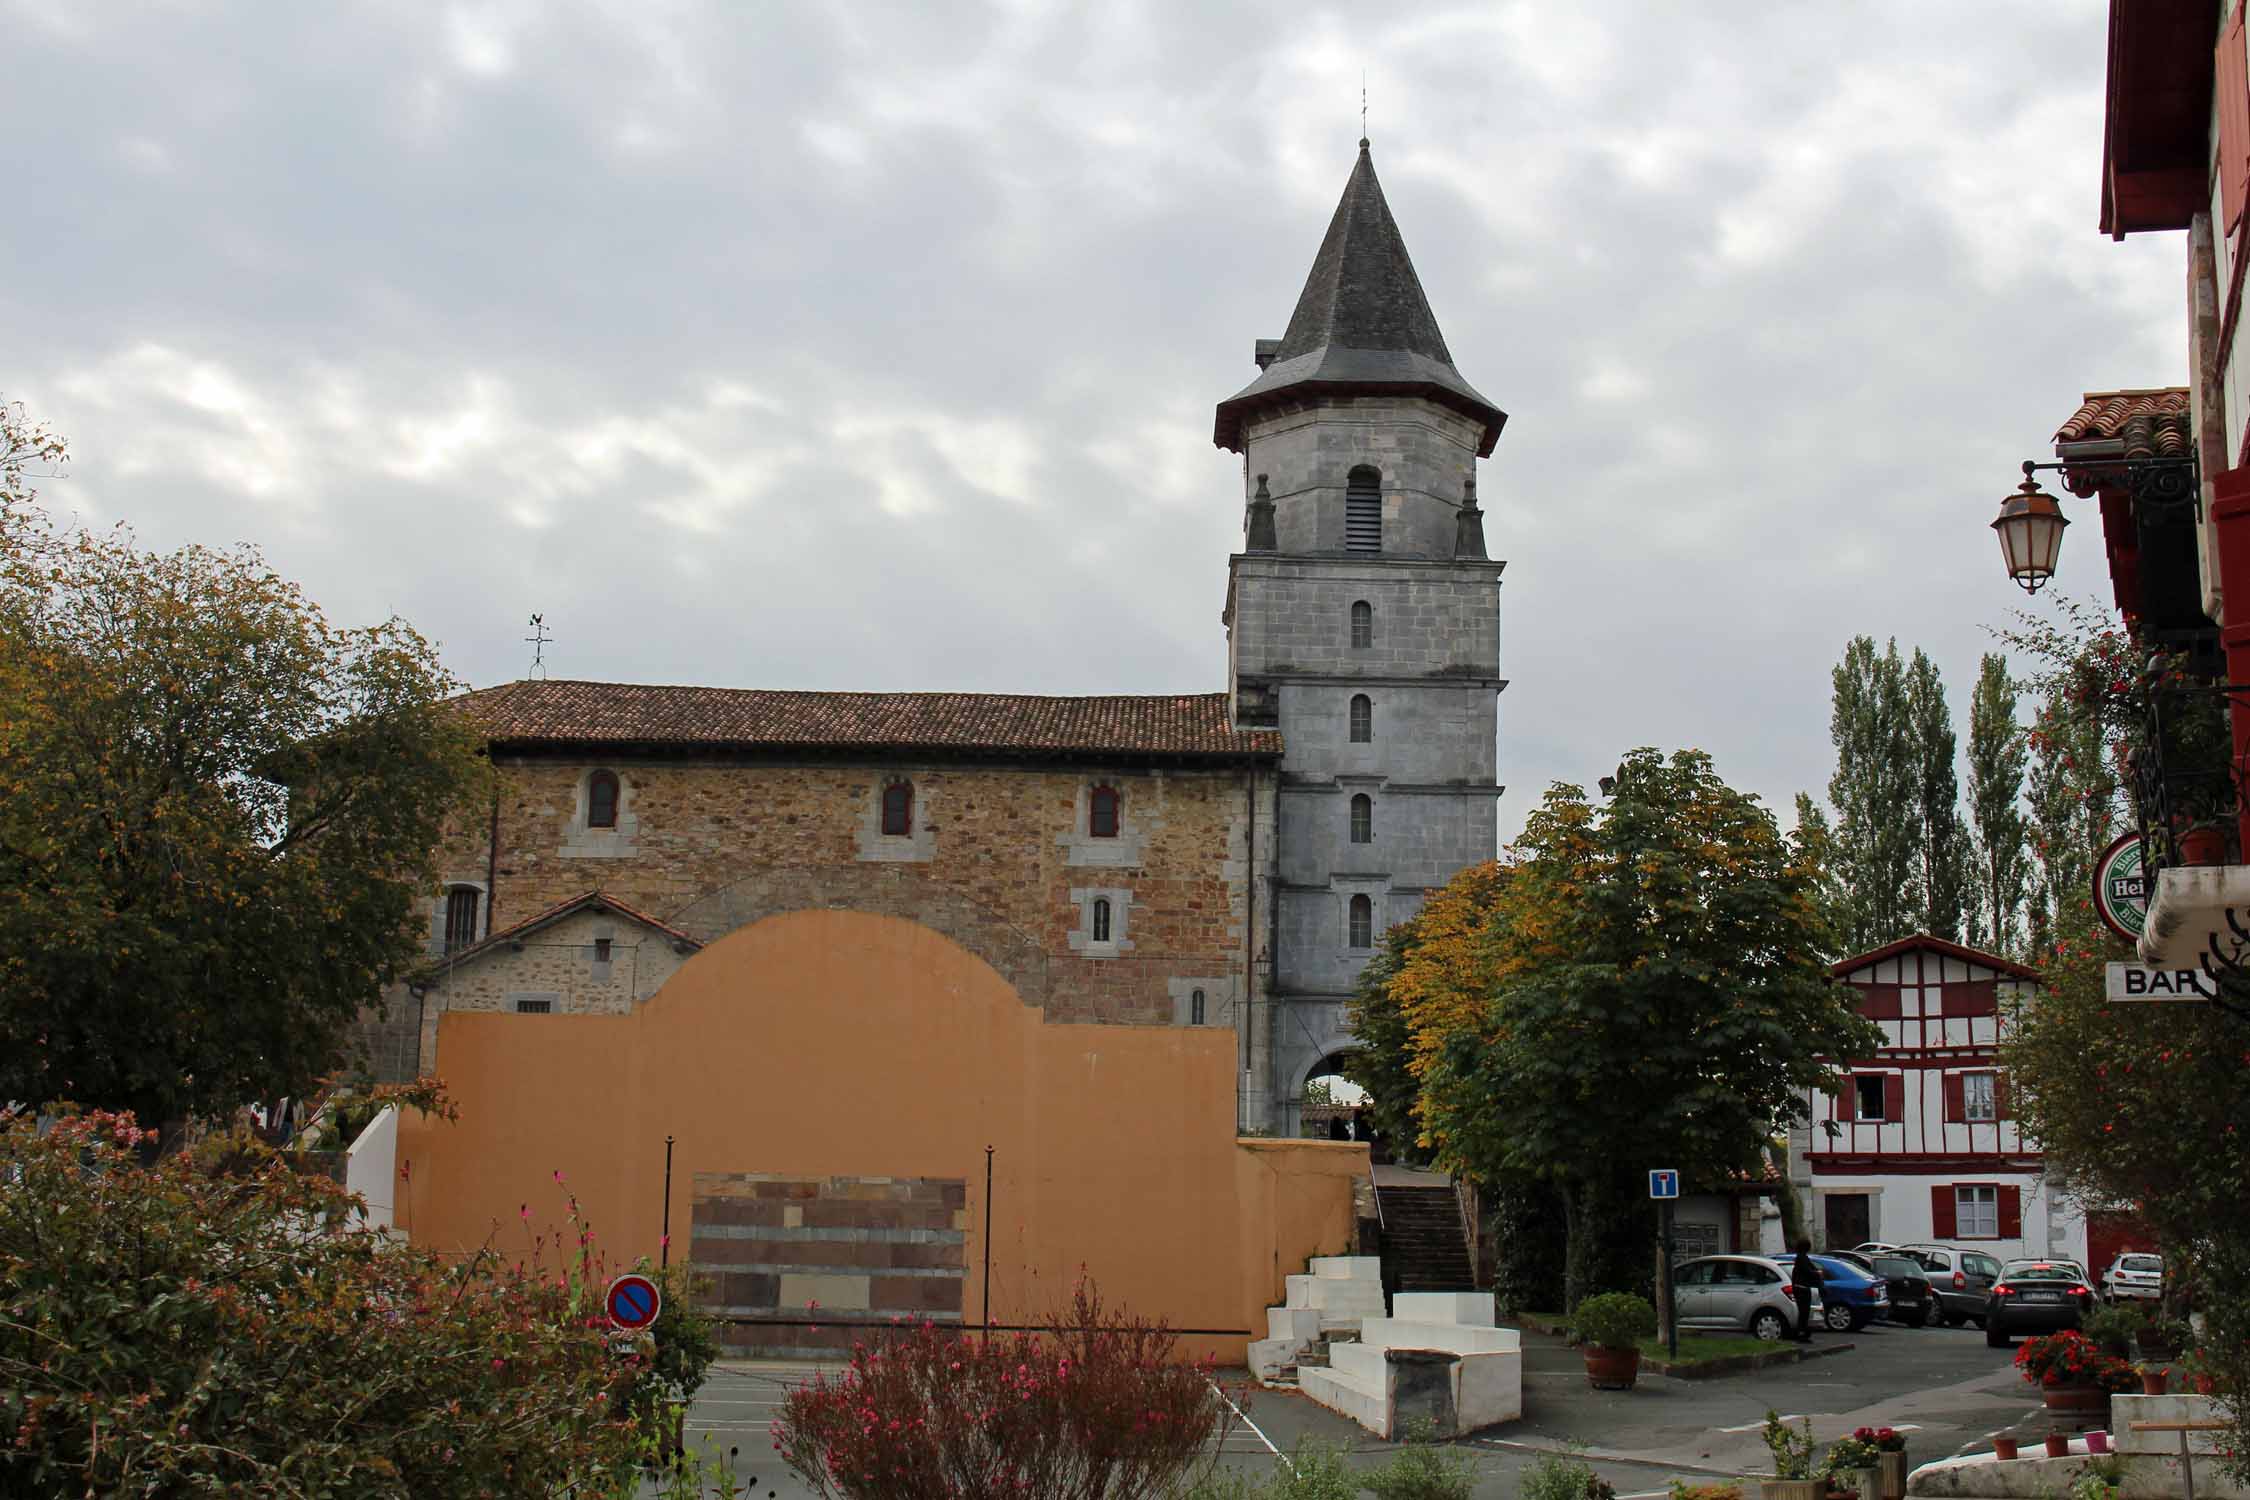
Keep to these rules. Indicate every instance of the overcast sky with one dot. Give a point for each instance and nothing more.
(844, 345)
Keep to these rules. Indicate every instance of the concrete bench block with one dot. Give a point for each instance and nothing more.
(2124, 1411)
(1455, 1338)
(1488, 1388)
(1363, 1362)
(1300, 1290)
(1299, 1323)
(1472, 1308)
(1341, 1393)
(1349, 1267)
(1267, 1356)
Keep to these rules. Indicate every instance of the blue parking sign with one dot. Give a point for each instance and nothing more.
(1664, 1182)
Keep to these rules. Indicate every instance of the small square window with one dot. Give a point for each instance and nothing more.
(898, 809)
(1978, 1101)
(534, 1007)
(1976, 1212)
(1101, 813)
(601, 950)
(1867, 1089)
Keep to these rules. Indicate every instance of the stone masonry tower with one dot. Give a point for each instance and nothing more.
(1362, 619)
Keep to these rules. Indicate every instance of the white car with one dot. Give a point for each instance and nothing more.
(2136, 1276)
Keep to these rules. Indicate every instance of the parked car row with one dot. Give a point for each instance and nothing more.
(1960, 1280)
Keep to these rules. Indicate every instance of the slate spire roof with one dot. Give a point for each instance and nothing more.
(1362, 324)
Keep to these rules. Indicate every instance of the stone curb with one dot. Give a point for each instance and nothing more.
(1708, 1369)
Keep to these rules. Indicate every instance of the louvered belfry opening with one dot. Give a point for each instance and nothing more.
(1363, 511)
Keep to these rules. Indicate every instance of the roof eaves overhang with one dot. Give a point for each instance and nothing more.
(2157, 114)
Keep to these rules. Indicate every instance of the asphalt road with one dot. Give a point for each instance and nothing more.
(1943, 1387)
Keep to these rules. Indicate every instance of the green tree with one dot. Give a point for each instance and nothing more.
(1815, 845)
(1998, 756)
(1665, 947)
(1876, 794)
(1379, 1063)
(222, 817)
(1947, 888)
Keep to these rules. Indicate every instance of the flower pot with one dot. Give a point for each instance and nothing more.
(1614, 1370)
(2153, 1382)
(2003, 1447)
(1788, 1489)
(1864, 1483)
(2097, 1441)
(2058, 1445)
(1892, 1469)
(2088, 1402)
(2203, 846)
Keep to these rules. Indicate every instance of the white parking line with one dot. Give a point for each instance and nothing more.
(1254, 1428)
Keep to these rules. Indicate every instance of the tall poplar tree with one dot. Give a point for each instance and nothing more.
(2074, 814)
(1876, 796)
(1998, 757)
(1947, 898)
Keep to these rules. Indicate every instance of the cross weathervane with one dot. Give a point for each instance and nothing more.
(538, 640)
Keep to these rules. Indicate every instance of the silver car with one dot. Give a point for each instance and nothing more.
(1739, 1294)
(2134, 1276)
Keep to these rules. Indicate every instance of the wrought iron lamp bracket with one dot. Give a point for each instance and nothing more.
(2228, 971)
(2165, 486)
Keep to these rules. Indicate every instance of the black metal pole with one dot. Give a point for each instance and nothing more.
(988, 1239)
(664, 1250)
(1671, 1296)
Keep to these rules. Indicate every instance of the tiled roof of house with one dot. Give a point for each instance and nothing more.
(585, 901)
(552, 712)
(1924, 943)
(2107, 414)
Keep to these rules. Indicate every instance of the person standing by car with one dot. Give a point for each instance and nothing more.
(1806, 1276)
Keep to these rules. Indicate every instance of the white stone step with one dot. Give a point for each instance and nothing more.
(1456, 1338)
(1472, 1308)
(1299, 1323)
(1342, 1393)
(1363, 1362)
(1269, 1358)
(1348, 1267)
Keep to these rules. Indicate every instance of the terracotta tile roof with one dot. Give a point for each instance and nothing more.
(2105, 414)
(554, 914)
(550, 712)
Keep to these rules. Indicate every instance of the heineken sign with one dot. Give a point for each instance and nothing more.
(2121, 887)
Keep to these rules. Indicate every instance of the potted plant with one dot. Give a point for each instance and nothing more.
(2075, 1377)
(1792, 1461)
(2097, 1441)
(1890, 1459)
(1612, 1326)
(2058, 1444)
(2154, 1377)
(2003, 1445)
(1853, 1461)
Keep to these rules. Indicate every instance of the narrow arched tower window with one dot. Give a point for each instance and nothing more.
(898, 809)
(1363, 625)
(1101, 919)
(1362, 922)
(1101, 813)
(1363, 510)
(601, 800)
(460, 917)
(1363, 819)
(1363, 719)
(1195, 1008)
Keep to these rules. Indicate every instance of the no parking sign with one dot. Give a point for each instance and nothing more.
(632, 1303)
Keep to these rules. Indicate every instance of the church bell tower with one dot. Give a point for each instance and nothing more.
(1363, 621)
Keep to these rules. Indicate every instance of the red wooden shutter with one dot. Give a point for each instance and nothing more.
(1894, 1096)
(1943, 1225)
(2011, 1212)
(2232, 80)
(1956, 1098)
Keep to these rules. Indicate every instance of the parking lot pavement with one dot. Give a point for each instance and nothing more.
(1942, 1386)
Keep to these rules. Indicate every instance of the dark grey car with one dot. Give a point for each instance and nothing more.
(1962, 1280)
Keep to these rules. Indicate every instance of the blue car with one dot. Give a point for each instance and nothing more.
(1852, 1298)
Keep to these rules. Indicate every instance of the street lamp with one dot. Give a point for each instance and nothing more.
(2031, 527)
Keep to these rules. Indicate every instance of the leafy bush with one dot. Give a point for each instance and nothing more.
(2114, 1326)
(1094, 1405)
(1554, 1477)
(1424, 1469)
(1614, 1320)
(1682, 1490)
(1791, 1449)
(1848, 1453)
(213, 1324)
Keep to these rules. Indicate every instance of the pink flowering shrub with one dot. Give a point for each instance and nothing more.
(212, 1324)
(1093, 1406)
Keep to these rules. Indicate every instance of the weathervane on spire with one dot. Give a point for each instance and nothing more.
(538, 640)
(1363, 106)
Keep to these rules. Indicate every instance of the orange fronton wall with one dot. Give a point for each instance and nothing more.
(837, 1043)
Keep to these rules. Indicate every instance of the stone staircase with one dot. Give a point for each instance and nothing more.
(1424, 1249)
(1439, 1357)
(1325, 1305)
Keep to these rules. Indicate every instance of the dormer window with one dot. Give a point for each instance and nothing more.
(1363, 510)
(1101, 813)
(601, 800)
(898, 809)
(1363, 625)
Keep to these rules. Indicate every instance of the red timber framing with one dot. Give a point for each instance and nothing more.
(2230, 524)
(1946, 1033)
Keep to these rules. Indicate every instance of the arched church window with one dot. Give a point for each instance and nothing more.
(1363, 719)
(460, 917)
(1363, 819)
(1101, 813)
(601, 800)
(1362, 922)
(898, 809)
(1101, 919)
(1363, 510)
(1195, 1008)
(1363, 625)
